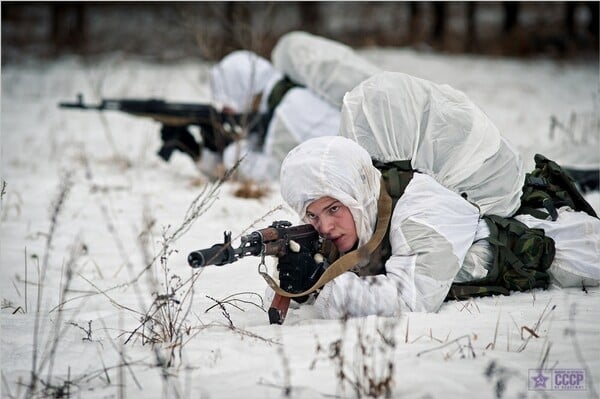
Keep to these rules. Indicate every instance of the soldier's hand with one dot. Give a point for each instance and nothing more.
(299, 270)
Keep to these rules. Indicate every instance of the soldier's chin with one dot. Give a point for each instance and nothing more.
(342, 244)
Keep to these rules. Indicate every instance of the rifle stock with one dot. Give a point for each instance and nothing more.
(271, 241)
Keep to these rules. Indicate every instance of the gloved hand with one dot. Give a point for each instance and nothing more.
(299, 270)
(178, 138)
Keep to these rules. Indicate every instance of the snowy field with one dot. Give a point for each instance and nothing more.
(98, 300)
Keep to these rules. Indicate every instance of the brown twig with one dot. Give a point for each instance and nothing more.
(457, 341)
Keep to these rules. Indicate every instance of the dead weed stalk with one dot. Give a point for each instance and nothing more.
(369, 371)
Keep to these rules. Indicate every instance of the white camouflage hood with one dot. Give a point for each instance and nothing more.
(336, 167)
(328, 68)
(395, 116)
(239, 77)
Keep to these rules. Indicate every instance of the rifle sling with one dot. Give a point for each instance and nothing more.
(346, 262)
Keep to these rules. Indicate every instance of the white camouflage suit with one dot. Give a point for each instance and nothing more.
(395, 116)
(432, 233)
(436, 234)
(300, 115)
(325, 69)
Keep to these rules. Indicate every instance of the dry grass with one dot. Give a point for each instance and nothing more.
(369, 371)
(251, 190)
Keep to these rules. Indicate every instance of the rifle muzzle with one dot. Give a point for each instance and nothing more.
(218, 255)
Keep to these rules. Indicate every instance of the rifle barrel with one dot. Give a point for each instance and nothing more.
(168, 113)
(218, 255)
(79, 106)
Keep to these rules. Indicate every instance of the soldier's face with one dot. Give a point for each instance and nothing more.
(333, 220)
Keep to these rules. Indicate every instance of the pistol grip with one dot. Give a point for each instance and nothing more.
(278, 309)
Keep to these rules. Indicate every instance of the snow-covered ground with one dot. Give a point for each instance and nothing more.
(88, 205)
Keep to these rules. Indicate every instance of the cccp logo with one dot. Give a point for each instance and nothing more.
(557, 379)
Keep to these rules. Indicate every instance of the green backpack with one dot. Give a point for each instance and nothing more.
(522, 255)
(549, 186)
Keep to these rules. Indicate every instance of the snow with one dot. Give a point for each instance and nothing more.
(86, 270)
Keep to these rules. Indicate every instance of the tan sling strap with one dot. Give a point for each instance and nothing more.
(353, 258)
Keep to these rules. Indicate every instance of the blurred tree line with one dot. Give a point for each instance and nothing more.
(167, 31)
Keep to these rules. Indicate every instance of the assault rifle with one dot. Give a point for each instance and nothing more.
(218, 129)
(271, 241)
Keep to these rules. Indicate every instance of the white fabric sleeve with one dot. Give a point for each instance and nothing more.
(326, 67)
(479, 258)
(576, 237)
(300, 116)
(255, 165)
(432, 229)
